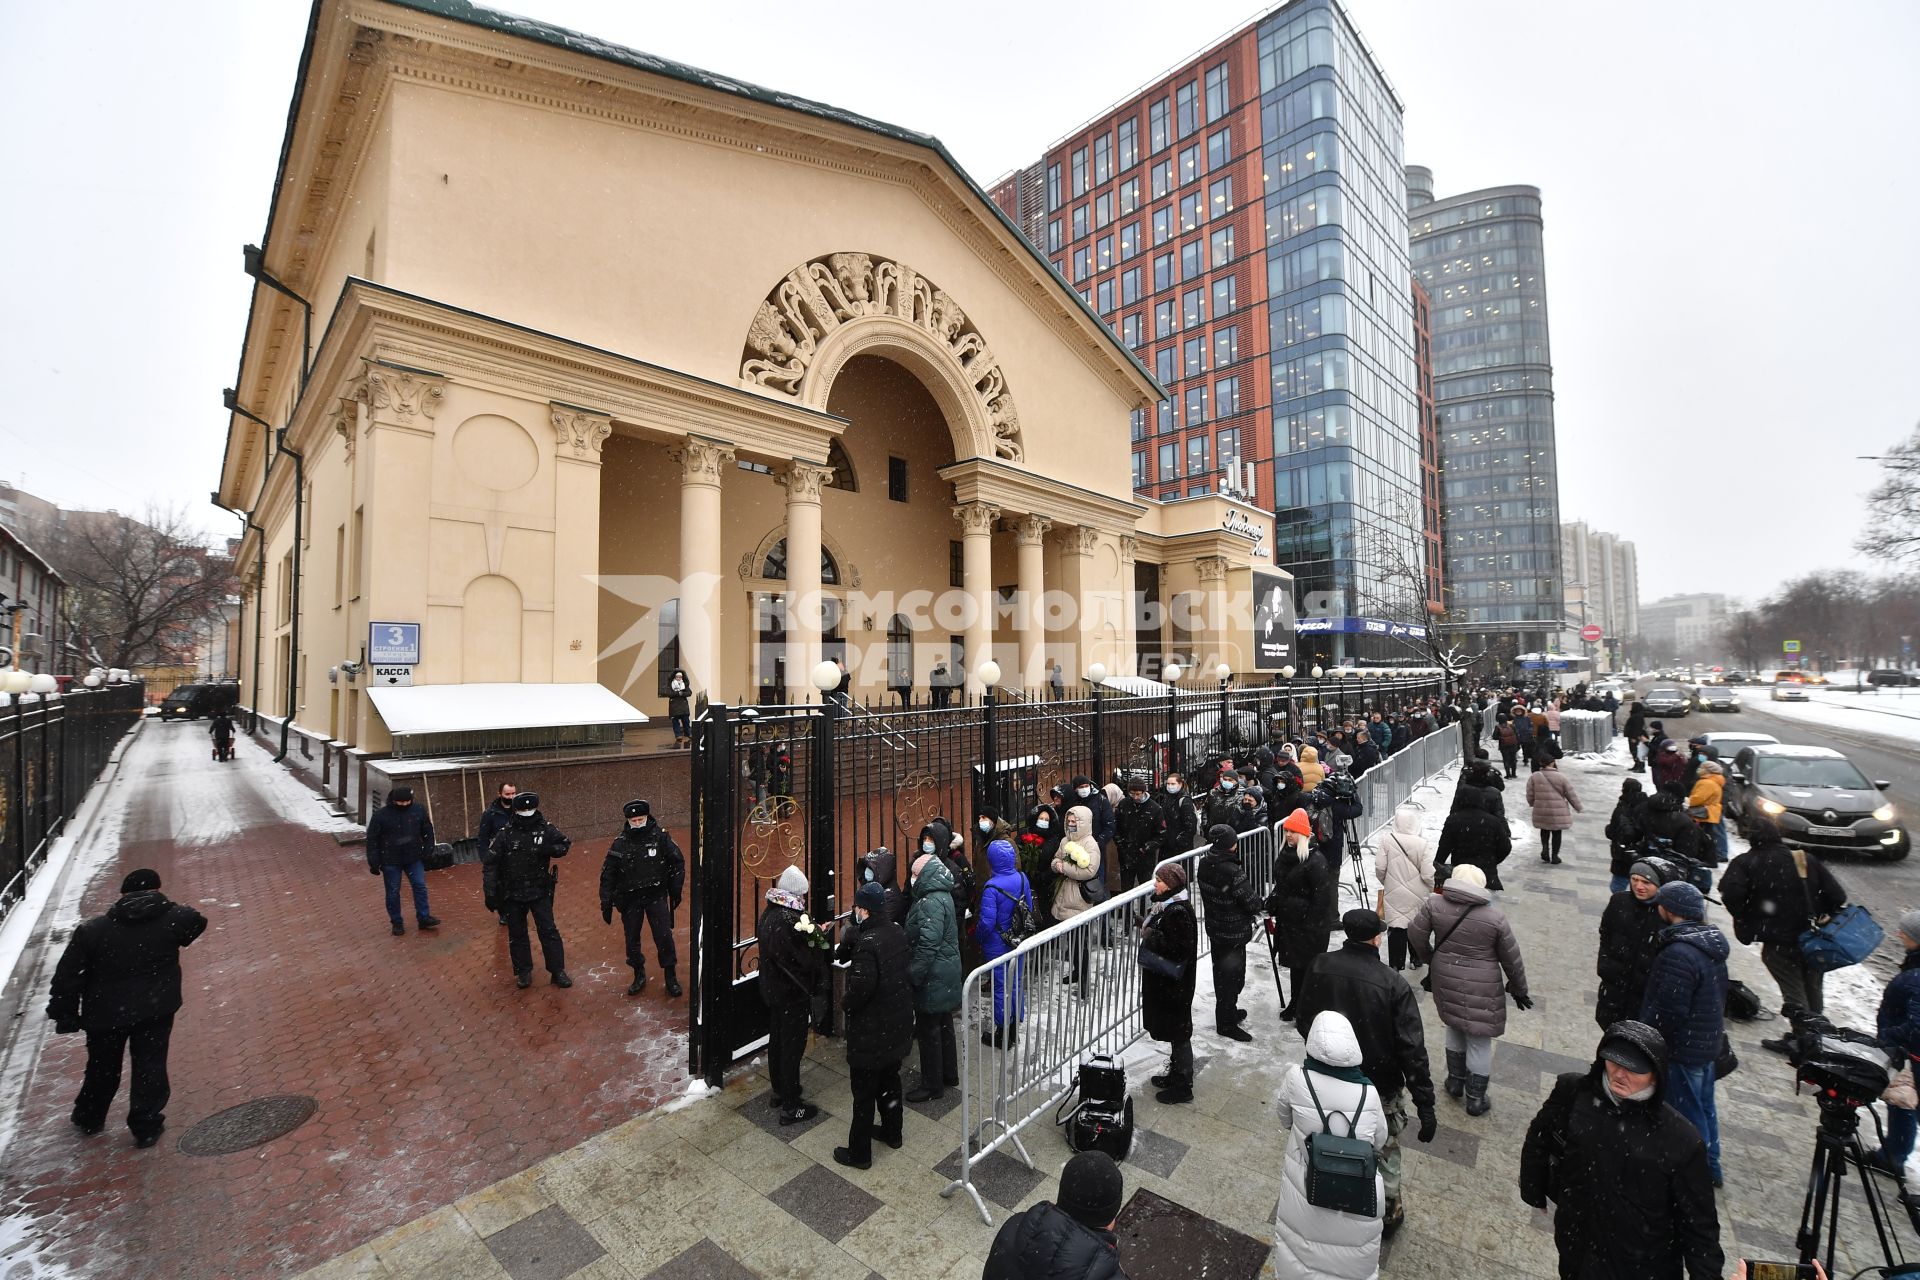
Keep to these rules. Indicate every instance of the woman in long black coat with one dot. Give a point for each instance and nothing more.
(1629, 936)
(1169, 951)
(1301, 905)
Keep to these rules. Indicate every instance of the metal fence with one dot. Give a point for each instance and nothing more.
(51, 750)
(1009, 1081)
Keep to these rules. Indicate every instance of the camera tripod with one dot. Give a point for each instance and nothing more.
(1356, 861)
(1836, 1146)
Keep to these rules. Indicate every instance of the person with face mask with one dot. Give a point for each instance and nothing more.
(643, 876)
(1180, 830)
(1095, 799)
(1006, 889)
(517, 877)
(933, 944)
(1137, 831)
(790, 966)
(879, 1027)
(399, 838)
(1039, 838)
(1076, 865)
(1222, 804)
(989, 826)
(880, 867)
(1300, 908)
(494, 821)
(1169, 968)
(679, 691)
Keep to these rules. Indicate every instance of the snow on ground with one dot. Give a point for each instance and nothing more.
(204, 814)
(1898, 717)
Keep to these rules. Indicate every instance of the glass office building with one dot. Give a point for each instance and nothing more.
(1241, 224)
(1480, 258)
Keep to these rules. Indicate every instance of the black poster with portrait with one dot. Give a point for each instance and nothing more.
(1272, 621)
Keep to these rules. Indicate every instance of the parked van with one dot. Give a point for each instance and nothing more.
(196, 701)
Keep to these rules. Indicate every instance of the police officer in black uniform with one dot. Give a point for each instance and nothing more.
(642, 876)
(517, 877)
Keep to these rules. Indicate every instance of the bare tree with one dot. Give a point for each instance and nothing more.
(1390, 577)
(1747, 636)
(1893, 506)
(138, 591)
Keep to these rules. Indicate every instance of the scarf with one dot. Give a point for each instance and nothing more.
(1160, 905)
(1606, 1085)
(1352, 1075)
(792, 901)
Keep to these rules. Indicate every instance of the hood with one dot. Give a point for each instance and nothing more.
(1332, 1041)
(1491, 803)
(884, 867)
(1307, 756)
(133, 908)
(1001, 859)
(939, 832)
(1664, 802)
(1080, 822)
(1407, 820)
(1467, 894)
(1700, 934)
(1648, 1041)
(933, 878)
(1053, 818)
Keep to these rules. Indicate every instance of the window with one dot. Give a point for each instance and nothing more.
(1129, 241)
(1226, 345)
(1129, 143)
(900, 655)
(1318, 207)
(1082, 264)
(1217, 95)
(1223, 300)
(1104, 292)
(1163, 416)
(1139, 470)
(1162, 171)
(1163, 325)
(1197, 448)
(1169, 462)
(1139, 423)
(1053, 187)
(1103, 209)
(1130, 331)
(1187, 107)
(1220, 247)
(1220, 195)
(1166, 272)
(1226, 404)
(1283, 166)
(1163, 367)
(1191, 266)
(1219, 148)
(1129, 195)
(1080, 172)
(1193, 308)
(1103, 253)
(1102, 159)
(1079, 221)
(896, 479)
(1157, 127)
(956, 565)
(339, 566)
(1054, 238)
(669, 616)
(357, 553)
(1193, 210)
(1227, 442)
(1129, 287)
(1194, 354)
(1162, 225)
(1190, 164)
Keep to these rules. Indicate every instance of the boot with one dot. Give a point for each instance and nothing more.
(673, 985)
(560, 979)
(1456, 1073)
(523, 980)
(1179, 1089)
(1477, 1102)
(1394, 1216)
(1161, 1081)
(1556, 857)
(1235, 1032)
(638, 984)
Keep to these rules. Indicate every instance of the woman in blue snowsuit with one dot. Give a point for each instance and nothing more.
(1006, 886)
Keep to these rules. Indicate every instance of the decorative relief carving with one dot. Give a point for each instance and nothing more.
(1129, 549)
(976, 518)
(580, 432)
(1211, 568)
(345, 414)
(817, 297)
(1031, 531)
(408, 398)
(1085, 539)
(803, 481)
(701, 460)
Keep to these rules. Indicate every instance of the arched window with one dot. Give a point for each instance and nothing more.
(900, 654)
(843, 477)
(774, 567)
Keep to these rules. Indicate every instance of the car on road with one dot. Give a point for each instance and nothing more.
(1725, 746)
(1736, 676)
(1889, 678)
(192, 701)
(1789, 686)
(1667, 700)
(1718, 698)
(1821, 801)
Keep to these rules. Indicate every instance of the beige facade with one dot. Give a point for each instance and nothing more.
(611, 361)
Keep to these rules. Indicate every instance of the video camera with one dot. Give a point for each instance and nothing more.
(1846, 1068)
(1339, 784)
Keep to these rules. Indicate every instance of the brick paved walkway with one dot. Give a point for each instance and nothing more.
(434, 1076)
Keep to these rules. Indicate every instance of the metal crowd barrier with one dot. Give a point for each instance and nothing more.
(1584, 732)
(1056, 1023)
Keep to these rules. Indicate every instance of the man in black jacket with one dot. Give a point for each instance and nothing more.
(1626, 1172)
(790, 965)
(1070, 1238)
(1629, 938)
(119, 981)
(518, 878)
(1774, 894)
(1386, 1021)
(495, 820)
(1474, 835)
(1138, 829)
(399, 838)
(1084, 792)
(1231, 905)
(643, 876)
(879, 1031)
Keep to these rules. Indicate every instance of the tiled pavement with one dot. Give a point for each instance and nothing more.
(434, 1076)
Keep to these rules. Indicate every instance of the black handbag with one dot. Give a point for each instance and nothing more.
(1102, 1119)
(1726, 1063)
(1341, 1171)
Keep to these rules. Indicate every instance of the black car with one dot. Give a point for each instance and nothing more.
(1735, 677)
(1886, 676)
(1715, 697)
(1821, 801)
(1667, 700)
(196, 701)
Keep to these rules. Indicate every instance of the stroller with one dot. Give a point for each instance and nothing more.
(221, 731)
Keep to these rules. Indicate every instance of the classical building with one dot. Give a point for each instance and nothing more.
(617, 366)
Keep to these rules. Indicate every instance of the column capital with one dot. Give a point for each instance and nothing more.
(1129, 549)
(804, 481)
(1031, 531)
(579, 433)
(976, 518)
(1211, 568)
(401, 397)
(1083, 540)
(701, 460)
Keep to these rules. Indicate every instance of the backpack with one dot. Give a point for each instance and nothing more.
(1742, 1004)
(1021, 924)
(1341, 1171)
(1508, 737)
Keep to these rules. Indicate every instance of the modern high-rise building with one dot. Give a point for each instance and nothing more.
(1240, 224)
(1602, 583)
(1684, 628)
(1480, 258)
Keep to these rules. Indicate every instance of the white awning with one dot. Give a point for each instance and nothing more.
(476, 708)
(1138, 686)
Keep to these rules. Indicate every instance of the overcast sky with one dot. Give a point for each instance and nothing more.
(1729, 190)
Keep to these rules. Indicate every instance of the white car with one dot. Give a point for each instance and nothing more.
(1789, 688)
(1725, 746)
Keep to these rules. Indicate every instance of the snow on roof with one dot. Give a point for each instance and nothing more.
(1138, 686)
(473, 708)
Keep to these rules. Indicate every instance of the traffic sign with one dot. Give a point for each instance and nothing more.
(1590, 632)
(392, 677)
(394, 644)
(1789, 646)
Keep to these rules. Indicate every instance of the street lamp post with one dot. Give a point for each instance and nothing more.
(1174, 763)
(1097, 676)
(1224, 674)
(989, 675)
(825, 816)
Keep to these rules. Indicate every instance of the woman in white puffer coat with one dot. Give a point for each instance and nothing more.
(1403, 864)
(1311, 1243)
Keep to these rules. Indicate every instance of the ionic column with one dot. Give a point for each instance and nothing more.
(1030, 619)
(702, 463)
(1076, 571)
(1127, 660)
(1212, 650)
(803, 482)
(976, 574)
